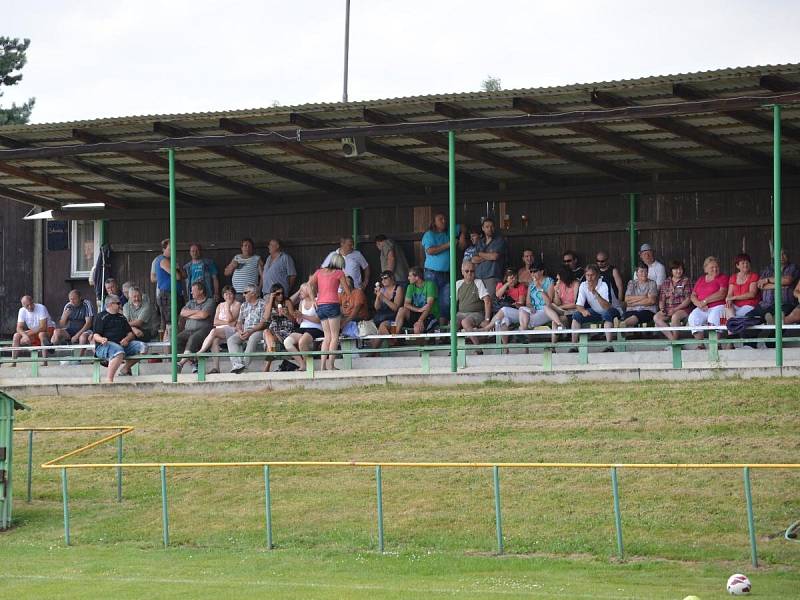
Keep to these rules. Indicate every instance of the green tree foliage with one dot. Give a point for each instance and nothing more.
(12, 59)
(491, 84)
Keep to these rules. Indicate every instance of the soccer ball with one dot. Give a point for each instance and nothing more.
(739, 585)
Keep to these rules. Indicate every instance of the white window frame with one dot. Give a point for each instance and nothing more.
(74, 248)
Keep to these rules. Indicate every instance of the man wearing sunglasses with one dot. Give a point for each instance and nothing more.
(114, 339)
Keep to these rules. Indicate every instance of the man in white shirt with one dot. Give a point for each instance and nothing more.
(355, 265)
(655, 270)
(474, 304)
(594, 305)
(35, 327)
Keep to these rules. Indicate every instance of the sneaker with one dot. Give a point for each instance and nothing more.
(573, 349)
(237, 369)
(194, 368)
(608, 349)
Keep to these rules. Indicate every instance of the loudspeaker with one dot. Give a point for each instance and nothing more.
(353, 146)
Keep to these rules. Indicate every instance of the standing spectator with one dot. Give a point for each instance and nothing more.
(198, 314)
(474, 303)
(278, 268)
(35, 327)
(490, 259)
(327, 281)
(420, 307)
(249, 328)
(75, 324)
(594, 306)
(436, 243)
(472, 249)
(392, 257)
(524, 274)
(570, 260)
(641, 298)
(114, 339)
(142, 315)
(245, 269)
(538, 309)
(655, 270)
(708, 296)
(612, 277)
(674, 300)
(389, 299)
(159, 274)
(742, 289)
(789, 275)
(355, 265)
(203, 270)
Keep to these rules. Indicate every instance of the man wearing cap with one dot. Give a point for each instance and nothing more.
(114, 339)
(655, 270)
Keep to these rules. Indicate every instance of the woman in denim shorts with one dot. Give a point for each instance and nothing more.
(327, 282)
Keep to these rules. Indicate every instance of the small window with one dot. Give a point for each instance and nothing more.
(84, 247)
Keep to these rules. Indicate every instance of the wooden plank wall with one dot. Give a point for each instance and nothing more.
(16, 262)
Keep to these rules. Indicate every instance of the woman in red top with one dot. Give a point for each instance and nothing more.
(510, 296)
(326, 282)
(742, 289)
(708, 296)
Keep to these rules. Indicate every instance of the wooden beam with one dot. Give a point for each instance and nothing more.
(689, 132)
(345, 164)
(690, 92)
(612, 138)
(15, 195)
(260, 163)
(777, 83)
(113, 175)
(453, 111)
(189, 171)
(464, 149)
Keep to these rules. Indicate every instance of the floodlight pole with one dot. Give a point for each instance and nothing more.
(173, 265)
(776, 232)
(346, 46)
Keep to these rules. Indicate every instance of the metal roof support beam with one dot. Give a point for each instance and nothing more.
(453, 111)
(189, 171)
(345, 164)
(531, 106)
(684, 130)
(465, 149)
(260, 163)
(9, 193)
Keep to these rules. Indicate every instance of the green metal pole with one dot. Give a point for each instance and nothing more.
(498, 517)
(173, 263)
(164, 513)
(451, 138)
(355, 228)
(30, 463)
(65, 498)
(379, 486)
(119, 469)
(617, 512)
(776, 231)
(632, 231)
(268, 507)
(748, 495)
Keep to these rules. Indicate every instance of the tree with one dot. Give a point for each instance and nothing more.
(12, 59)
(491, 84)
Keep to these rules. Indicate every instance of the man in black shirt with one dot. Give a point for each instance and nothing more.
(114, 340)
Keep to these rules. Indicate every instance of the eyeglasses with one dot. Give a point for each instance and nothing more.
(468, 270)
(385, 277)
(601, 261)
(110, 303)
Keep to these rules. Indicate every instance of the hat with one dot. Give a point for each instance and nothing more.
(537, 265)
(645, 248)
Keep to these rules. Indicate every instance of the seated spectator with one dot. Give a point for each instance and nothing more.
(641, 299)
(392, 257)
(794, 317)
(510, 296)
(126, 288)
(474, 238)
(389, 298)
(674, 300)
(114, 339)
(245, 269)
(612, 277)
(309, 328)
(594, 306)
(538, 309)
(570, 260)
(420, 306)
(142, 315)
(279, 314)
(565, 297)
(328, 281)
(198, 318)
(112, 287)
(203, 270)
(35, 327)
(354, 309)
(708, 297)
(655, 270)
(524, 273)
(225, 318)
(75, 324)
(473, 302)
(742, 289)
(249, 328)
(766, 284)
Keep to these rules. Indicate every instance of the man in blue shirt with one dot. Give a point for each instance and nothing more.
(490, 257)
(436, 243)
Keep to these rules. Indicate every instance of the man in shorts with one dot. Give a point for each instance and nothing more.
(114, 339)
(35, 327)
(421, 308)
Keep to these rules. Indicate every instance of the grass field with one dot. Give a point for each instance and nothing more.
(685, 532)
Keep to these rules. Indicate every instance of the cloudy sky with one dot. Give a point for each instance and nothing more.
(91, 59)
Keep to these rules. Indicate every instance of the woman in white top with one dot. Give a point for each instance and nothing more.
(310, 327)
(224, 324)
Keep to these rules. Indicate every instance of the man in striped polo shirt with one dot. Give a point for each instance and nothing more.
(245, 269)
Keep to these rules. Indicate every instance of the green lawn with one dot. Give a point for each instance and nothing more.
(684, 532)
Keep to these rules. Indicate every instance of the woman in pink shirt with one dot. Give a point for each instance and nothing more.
(708, 297)
(327, 282)
(742, 289)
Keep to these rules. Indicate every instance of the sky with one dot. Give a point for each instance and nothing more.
(90, 59)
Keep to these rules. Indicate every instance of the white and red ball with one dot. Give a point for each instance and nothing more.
(739, 585)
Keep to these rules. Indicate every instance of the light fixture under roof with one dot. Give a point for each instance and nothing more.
(79, 205)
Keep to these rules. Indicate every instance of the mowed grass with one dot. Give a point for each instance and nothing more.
(684, 531)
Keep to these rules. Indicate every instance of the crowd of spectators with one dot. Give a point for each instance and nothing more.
(267, 304)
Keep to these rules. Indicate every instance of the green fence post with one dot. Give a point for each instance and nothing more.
(498, 518)
(583, 349)
(425, 356)
(96, 372)
(119, 469)
(173, 265)
(30, 463)
(461, 353)
(201, 368)
(34, 363)
(713, 345)
(776, 231)
(750, 522)
(347, 358)
(164, 514)
(547, 359)
(677, 356)
(268, 507)
(617, 513)
(309, 366)
(65, 498)
(379, 486)
(632, 232)
(451, 223)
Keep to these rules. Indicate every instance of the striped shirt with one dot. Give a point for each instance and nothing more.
(246, 274)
